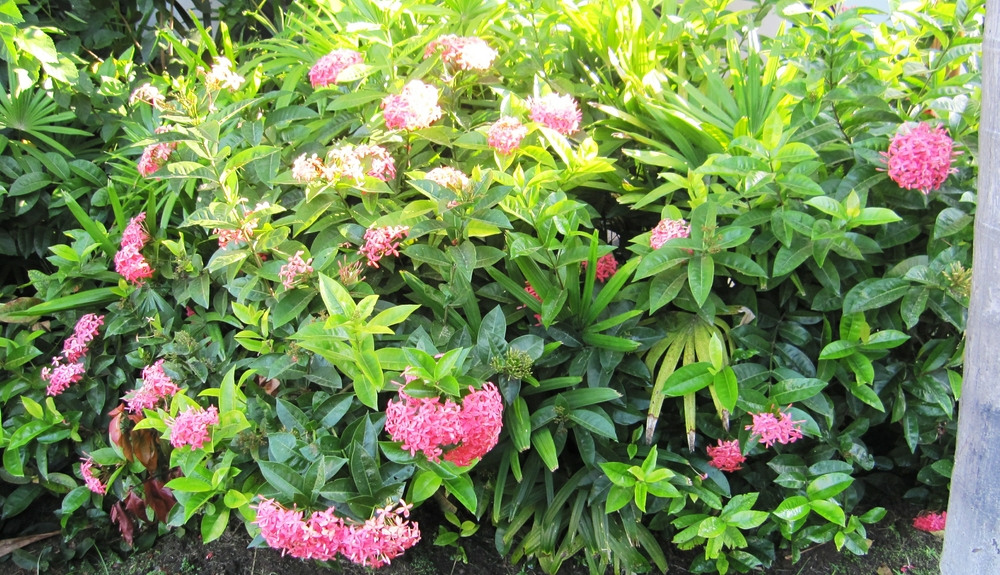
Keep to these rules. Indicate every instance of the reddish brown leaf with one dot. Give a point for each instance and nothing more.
(135, 506)
(144, 448)
(10, 545)
(116, 434)
(120, 517)
(159, 499)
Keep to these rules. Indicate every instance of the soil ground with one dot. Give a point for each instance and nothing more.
(898, 549)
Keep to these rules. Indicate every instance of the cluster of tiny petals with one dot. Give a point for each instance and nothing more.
(424, 424)
(149, 94)
(154, 156)
(559, 113)
(382, 242)
(930, 522)
(463, 52)
(156, 385)
(773, 429)
(323, 535)
(129, 261)
(222, 76)
(727, 456)
(92, 482)
(607, 265)
(920, 158)
(448, 177)
(346, 162)
(668, 229)
(190, 427)
(414, 108)
(505, 134)
(325, 71)
(293, 268)
(480, 422)
(62, 376)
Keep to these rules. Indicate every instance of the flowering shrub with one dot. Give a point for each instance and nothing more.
(598, 303)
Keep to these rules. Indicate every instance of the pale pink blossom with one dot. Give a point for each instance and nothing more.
(920, 158)
(293, 268)
(156, 385)
(668, 229)
(154, 156)
(930, 522)
(328, 68)
(350, 274)
(92, 482)
(505, 134)
(346, 161)
(727, 456)
(149, 94)
(463, 52)
(134, 233)
(323, 535)
(307, 168)
(62, 376)
(86, 329)
(382, 242)
(607, 265)
(378, 162)
(773, 429)
(414, 108)
(480, 423)
(227, 236)
(190, 427)
(559, 113)
(448, 177)
(423, 424)
(222, 76)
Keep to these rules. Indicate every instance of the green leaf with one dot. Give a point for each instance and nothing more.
(838, 349)
(794, 152)
(82, 300)
(394, 315)
(739, 263)
(546, 447)
(462, 488)
(618, 497)
(368, 386)
(796, 389)
(282, 477)
(337, 299)
(688, 379)
(214, 525)
(423, 486)
(594, 422)
(829, 485)
(660, 260)
(950, 221)
(829, 511)
(711, 527)
(788, 259)
(701, 274)
(875, 217)
(519, 424)
(727, 388)
(793, 508)
(189, 485)
(874, 293)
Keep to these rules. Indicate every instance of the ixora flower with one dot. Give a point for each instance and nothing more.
(67, 368)
(346, 161)
(149, 94)
(429, 426)
(727, 456)
(328, 68)
(92, 482)
(156, 385)
(381, 242)
(222, 76)
(448, 177)
(773, 429)
(560, 113)
(154, 156)
(930, 522)
(129, 261)
(505, 134)
(62, 376)
(293, 268)
(607, 265)
(414, 108)
(920, 158)
(463, 52)
(668, 229)
(323, 535)
(190, 427)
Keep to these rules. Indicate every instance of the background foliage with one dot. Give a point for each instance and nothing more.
(810, 281)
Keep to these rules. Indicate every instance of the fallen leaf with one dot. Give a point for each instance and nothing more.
(10, 545)
(884, 570)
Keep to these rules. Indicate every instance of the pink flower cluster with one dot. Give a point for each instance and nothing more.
(414, 108)
(607, 265)
(67, 368)
(429, 426)
(129, 261)
(381, 242)
(325, 71)
(149, 94)
(463, 52)
(930, 522)
(727, 456)
(92, 482)
(775, 429)
(668, 229)
(346, 161)
(448, 177)
(246, 230)
(323, 535)
(293, 268)
(190, 427)
(560, 113)
(156, 385)
(505, 134)
(154, 156)
(920, 158)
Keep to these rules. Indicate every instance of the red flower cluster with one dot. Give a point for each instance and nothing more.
(328, 68)
(156, 385)
(190, 427)
(129, 261)
(373, 543)
(607, 265)
(92, 482)
(920, 158)
(775, 429)
(155, 155)
(429, 426)
(930, 522)
(68, 368)
(727, 456)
